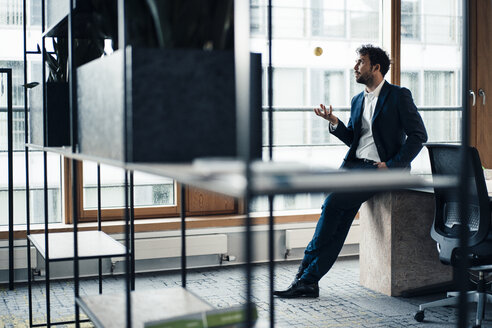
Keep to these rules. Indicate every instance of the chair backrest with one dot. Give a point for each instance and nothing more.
(445, 160)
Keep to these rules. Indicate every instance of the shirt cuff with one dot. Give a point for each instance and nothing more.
(333, 127)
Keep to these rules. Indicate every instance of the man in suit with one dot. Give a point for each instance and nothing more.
(384, 131)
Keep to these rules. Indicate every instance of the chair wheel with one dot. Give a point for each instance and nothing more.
(419, 316)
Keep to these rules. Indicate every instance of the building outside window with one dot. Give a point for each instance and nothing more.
(430, 58)
(11, 56)
(149, 190)
(11, 13)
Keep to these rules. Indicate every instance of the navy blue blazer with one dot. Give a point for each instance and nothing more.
(397, 127)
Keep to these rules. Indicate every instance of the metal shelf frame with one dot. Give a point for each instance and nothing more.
(278, 182)
(111, 248)
(10, 173)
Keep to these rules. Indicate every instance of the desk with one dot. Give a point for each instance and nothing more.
(397, 252)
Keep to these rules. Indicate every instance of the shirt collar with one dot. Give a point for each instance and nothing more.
(376, 91)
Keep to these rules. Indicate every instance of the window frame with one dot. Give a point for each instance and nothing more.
(198, 202)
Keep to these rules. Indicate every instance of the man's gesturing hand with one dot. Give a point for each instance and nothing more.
(327, 114)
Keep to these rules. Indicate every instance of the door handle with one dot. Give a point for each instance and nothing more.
(474, 97)
(481, 93)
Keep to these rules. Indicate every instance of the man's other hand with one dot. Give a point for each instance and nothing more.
(381, 165)
(327, 114)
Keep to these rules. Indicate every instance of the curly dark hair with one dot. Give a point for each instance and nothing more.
(376, 56)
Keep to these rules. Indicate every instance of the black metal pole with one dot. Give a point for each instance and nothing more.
(132, 232)
(183, 236)
(248, 253)
(75, 241)
(242, 55)
(74, 140)
(99, 223)
(122, 35)
(270, 83)
(10, 158)
(461, 275)
(271, 255)
(46, 237)
(271, 233)
(45, 187)
(26, 151)
(127, 255)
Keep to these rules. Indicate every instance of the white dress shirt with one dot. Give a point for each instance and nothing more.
(367, 148)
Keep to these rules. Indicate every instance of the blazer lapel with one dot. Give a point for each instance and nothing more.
(382, 97)
(358, 111)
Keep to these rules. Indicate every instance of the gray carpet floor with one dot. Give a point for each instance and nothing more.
(343, 302)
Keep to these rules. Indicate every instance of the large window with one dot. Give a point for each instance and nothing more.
(430, 63)
(11, 56)
(431, 59)
(302, 80)
(430, 68)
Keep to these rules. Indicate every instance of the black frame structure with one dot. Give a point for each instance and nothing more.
(462, 274)
(45, 150)
(242, 54)
(10, 159)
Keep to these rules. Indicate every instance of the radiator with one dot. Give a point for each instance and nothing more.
(299, 238)
(20, 258)
(171, 247)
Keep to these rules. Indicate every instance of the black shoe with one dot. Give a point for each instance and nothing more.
(299, 288)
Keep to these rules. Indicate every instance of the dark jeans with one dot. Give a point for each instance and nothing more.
(337, 213)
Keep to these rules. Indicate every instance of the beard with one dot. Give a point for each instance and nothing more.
(365, 78)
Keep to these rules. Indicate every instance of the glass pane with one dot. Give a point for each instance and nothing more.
(364, 19)
(441, 21)
(303, 80)
(433, 73)
(411, 81)
(440, 88)
(149, 190)
(36, 188)
(288, 202)
(288, 22)
(328, 18)
(288, 87)
(11, 12)
(258, 17)
(35, 12)
(410, 20)
(431, 64)
(328, 88)
(17, 67)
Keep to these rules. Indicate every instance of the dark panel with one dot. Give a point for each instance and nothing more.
(57, 115)
(182, 106)
(256, 91)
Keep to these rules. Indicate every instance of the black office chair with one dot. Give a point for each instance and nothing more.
(445, 160)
